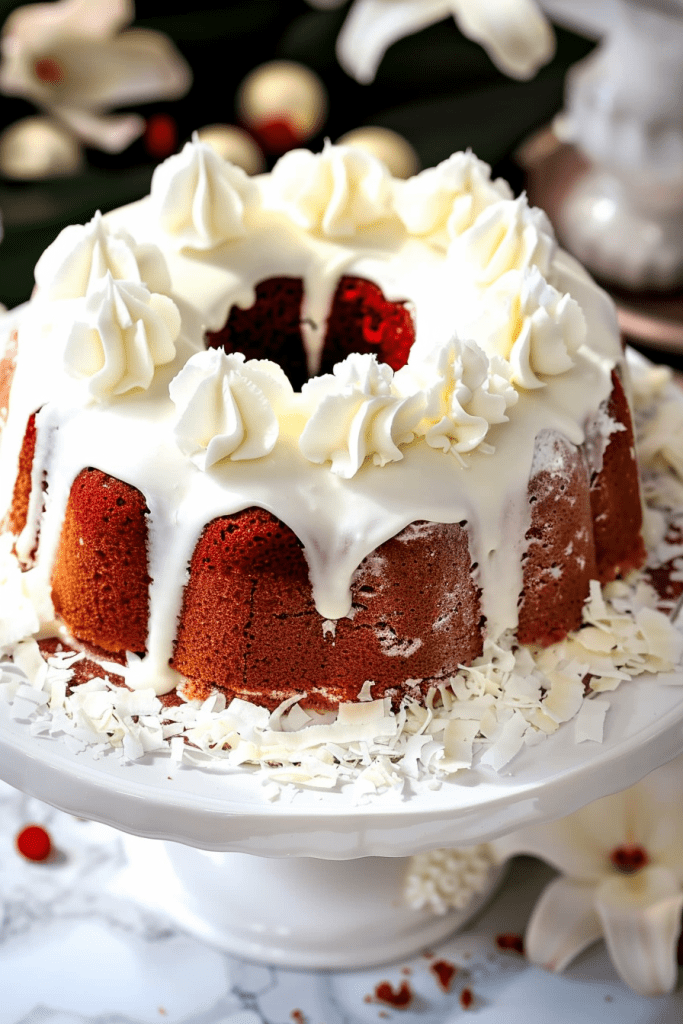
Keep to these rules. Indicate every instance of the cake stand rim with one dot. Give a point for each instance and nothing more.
(324, 825)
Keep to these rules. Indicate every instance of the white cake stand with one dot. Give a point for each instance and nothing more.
(325, 887)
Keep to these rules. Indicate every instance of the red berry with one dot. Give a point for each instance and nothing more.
(277, 135)
(161, 136)
(33, 842)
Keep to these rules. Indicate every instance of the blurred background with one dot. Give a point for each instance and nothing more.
(436, 88)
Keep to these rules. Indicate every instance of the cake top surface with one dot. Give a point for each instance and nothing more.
(512, 338)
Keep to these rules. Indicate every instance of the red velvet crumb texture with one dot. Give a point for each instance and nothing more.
(360, 320)
(100, 582)
(249, 625)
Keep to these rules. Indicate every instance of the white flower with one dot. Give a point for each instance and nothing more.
(226, 406)
(72, 60)
(515, 34)
(621, 864)
(357, 415)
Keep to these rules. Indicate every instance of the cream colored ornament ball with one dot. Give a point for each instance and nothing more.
(235, 145)
(387, 145)
(284, 103)
(37, 147)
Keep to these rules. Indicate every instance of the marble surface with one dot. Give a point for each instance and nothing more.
(77, 946)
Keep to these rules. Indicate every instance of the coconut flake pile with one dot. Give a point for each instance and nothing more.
(506, 700)
(448, 879)
(509, 698)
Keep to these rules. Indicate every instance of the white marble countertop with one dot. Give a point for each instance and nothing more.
(77, 948)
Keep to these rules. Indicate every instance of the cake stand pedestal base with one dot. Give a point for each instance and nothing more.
(299, 912)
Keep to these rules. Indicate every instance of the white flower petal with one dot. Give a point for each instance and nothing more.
(514, 33)
(39, 23)
(112, 133)
(373, 25)
(563, 923)
(580, 844)
(641, 918)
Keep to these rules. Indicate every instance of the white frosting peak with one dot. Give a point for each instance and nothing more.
(225, 407)
(356, 415)
(448, 198)
(124, 333)
(464, 393)
(533, 325)
(336, 192)
(201, 198)
(508, 235)
(83, 254)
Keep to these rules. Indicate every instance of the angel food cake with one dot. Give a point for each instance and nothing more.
(308, 443)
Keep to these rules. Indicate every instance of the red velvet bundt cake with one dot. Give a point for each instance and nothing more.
(316, 431)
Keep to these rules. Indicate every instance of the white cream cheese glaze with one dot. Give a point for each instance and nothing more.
(342, 500)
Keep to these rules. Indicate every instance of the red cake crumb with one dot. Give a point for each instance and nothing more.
(33, 842)
(298, 1017)
(466, 998)
(399, 998)
(510, 940)
(444, 973)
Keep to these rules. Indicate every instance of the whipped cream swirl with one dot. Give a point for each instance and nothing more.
(357, 415)
(445, 200)
(508, 235)
(464, 393)
(533, 325)
(200, 198)
(226, 406)
(123, 333)
(83, 254)
(336, 192)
